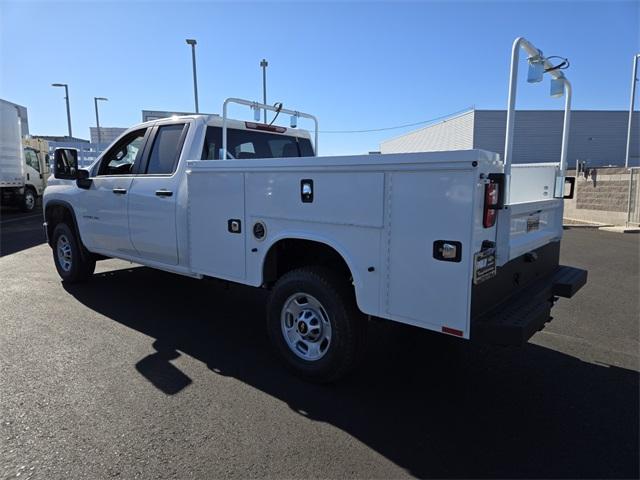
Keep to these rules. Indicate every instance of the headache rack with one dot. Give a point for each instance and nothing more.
(256, 107)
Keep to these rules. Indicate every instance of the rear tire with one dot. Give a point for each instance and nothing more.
(73, 264)
(29, 200)
(314, 324)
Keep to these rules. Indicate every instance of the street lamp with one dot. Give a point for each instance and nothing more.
(634, 80)
(264, 64)
(66, 93)
(192, 42)
(95, 101)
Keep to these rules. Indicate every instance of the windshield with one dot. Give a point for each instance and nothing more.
(252, 144)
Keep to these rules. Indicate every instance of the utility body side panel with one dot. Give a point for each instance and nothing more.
(381, 214)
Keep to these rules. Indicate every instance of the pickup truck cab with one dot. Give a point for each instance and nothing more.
(427, 239)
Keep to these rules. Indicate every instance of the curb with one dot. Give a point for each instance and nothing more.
(620, 229)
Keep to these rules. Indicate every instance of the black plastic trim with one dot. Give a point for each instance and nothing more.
(76, 230)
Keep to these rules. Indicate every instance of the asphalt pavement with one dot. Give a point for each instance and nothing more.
(143, 374)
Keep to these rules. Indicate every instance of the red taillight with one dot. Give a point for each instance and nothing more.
(491, 195)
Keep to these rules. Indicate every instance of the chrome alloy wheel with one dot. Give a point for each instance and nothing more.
(63, 246)
(305, 326)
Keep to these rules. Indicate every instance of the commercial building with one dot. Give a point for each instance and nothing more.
(597, 137)
(107, 134)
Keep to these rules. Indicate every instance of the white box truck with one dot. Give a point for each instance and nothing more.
(23, 168)
(436, 240)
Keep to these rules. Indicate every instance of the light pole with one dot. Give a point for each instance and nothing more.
(634, 80)
(95, 101)
(66, 93)
(264, 64)
(192, 42)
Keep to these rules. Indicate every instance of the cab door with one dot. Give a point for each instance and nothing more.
(103, 207)
(33, 175)
(154, 193)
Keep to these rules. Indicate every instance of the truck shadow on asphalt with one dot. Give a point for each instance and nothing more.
(19, 231)
(434, 406)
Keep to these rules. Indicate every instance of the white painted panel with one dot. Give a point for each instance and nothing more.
(426, 207)
(102, 214)
(532, 182)
(152, 219)
(358, 246)
(545, 217)
(339, 198)
(214, 198)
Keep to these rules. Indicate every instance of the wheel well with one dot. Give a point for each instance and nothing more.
(291, 253)
(55, 214)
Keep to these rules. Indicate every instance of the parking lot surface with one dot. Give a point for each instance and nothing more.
(143, 374)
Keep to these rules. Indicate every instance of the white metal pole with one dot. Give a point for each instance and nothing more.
(565, 127)
(634, 79)
(511, 106)
(223, 153)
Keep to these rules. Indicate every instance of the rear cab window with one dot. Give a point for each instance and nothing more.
(251, 144)
(165, 149)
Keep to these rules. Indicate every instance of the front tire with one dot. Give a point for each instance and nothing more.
(29, 199)
(314, 324)
(72, 263)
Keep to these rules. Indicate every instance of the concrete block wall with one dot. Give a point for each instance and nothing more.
(602, 195)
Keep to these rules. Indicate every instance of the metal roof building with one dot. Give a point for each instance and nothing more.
(596, 136)
(107, 134)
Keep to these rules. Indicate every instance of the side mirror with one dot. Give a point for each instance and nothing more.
(570, 185)
(65, 163)
(83, 180)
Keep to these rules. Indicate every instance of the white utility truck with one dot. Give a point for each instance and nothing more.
(459, 242)
(23, 168)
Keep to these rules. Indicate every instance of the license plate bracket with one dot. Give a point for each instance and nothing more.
(484, 266)
(533, 223)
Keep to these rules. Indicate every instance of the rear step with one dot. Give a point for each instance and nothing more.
(568, 280)
(515, 321)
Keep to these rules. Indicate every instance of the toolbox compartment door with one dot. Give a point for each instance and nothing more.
(428, 208)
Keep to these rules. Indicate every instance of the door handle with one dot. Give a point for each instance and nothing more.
(120, 191)
(164, 193)
(28, 177)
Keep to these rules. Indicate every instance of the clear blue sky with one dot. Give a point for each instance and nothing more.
(355, 65)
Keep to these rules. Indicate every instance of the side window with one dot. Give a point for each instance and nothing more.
(166, 148)
(31, 159)
(119, 160)
(212, 143)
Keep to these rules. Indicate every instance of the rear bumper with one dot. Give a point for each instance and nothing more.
(516, 320)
